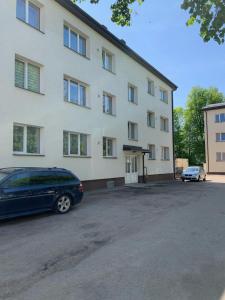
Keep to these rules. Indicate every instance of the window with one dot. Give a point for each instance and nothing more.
(220, 137)
(26, 139)
(164, 124)
(75, 41)
(164, 95)
(132, 131)
(50, 177)
(75, 92)
(28, 12)
(151, 87)
(152, 154)
(165, 155)
(132, 94)
(107, 60)
(75, 144)
(220, 156)
(220, 118)
(109, 104)
(109, 147)
(151, 119)
(18, 180)
(27, 75)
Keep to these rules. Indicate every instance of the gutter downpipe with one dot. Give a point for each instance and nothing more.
(174, 173)
(207, 139)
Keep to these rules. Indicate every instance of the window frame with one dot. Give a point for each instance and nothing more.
(151, 87)
(27, 13)
(25, 140)
(79, 85)
(113, 104)
(220, 118)
(164, 95)
(153, 157)
(220, 134)
(26, 63)
(165, 127)
(149, 114)
(107, 139)
(135, 100)
(163, 156)
(78, 134)
(135, 131)
(79, 35)
(106, 53)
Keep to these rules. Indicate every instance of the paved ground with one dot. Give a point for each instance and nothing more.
(166, 242)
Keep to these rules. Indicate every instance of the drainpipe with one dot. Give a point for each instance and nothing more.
(174, 172)
(143, 166)
(207, 139)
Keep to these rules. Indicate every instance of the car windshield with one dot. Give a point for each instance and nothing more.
(3, 176)
(192, 169)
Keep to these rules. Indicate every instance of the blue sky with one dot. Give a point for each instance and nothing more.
(159, 34)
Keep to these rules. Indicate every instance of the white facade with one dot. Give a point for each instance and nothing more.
(53, 115)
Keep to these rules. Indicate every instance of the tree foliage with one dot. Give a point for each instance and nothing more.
(191, 125)
(210, 14)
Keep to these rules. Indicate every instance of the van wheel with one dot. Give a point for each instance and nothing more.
(63, 204)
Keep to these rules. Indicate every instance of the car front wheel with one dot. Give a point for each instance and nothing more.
(63, 204)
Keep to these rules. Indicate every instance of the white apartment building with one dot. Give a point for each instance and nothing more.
(75, 96)
(214, 116)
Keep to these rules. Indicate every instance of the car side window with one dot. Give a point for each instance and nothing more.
(50, 178)
(17, 180)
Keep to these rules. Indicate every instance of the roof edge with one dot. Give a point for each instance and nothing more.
(221, 106)
(102, 30)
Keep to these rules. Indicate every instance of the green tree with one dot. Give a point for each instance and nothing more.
(209, 14)
(194, 121)
(179, 139)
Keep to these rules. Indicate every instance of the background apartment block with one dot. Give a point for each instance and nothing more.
(76, 96)
(215, 138)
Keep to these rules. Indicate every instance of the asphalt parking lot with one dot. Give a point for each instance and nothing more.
(162, 242)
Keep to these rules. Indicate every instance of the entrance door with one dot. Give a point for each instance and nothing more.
(131, 169)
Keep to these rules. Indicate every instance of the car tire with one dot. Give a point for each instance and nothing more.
(204, 179)
(63, 204)
(199, 178)
(182, 179)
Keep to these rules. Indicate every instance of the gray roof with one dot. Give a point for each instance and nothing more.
(214, 106)
(102, 30)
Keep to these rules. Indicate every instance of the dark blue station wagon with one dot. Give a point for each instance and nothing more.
(25, 191)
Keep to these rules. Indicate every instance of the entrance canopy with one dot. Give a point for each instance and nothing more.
(135, 149)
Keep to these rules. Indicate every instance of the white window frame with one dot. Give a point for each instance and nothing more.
(79, 83)
(153, 157)
(135, 131)
(164, 95)
(27, 2)
(164, 156)
(151, 87)
(79, 137)
(165, 125)
(106, 53)
(26, 63)
(149, 114)
(221, 156)
(79, 34)
(135, 100)
(105, 94)
(113, 147)
(220, 119)
(220, 140)
(24, 152)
